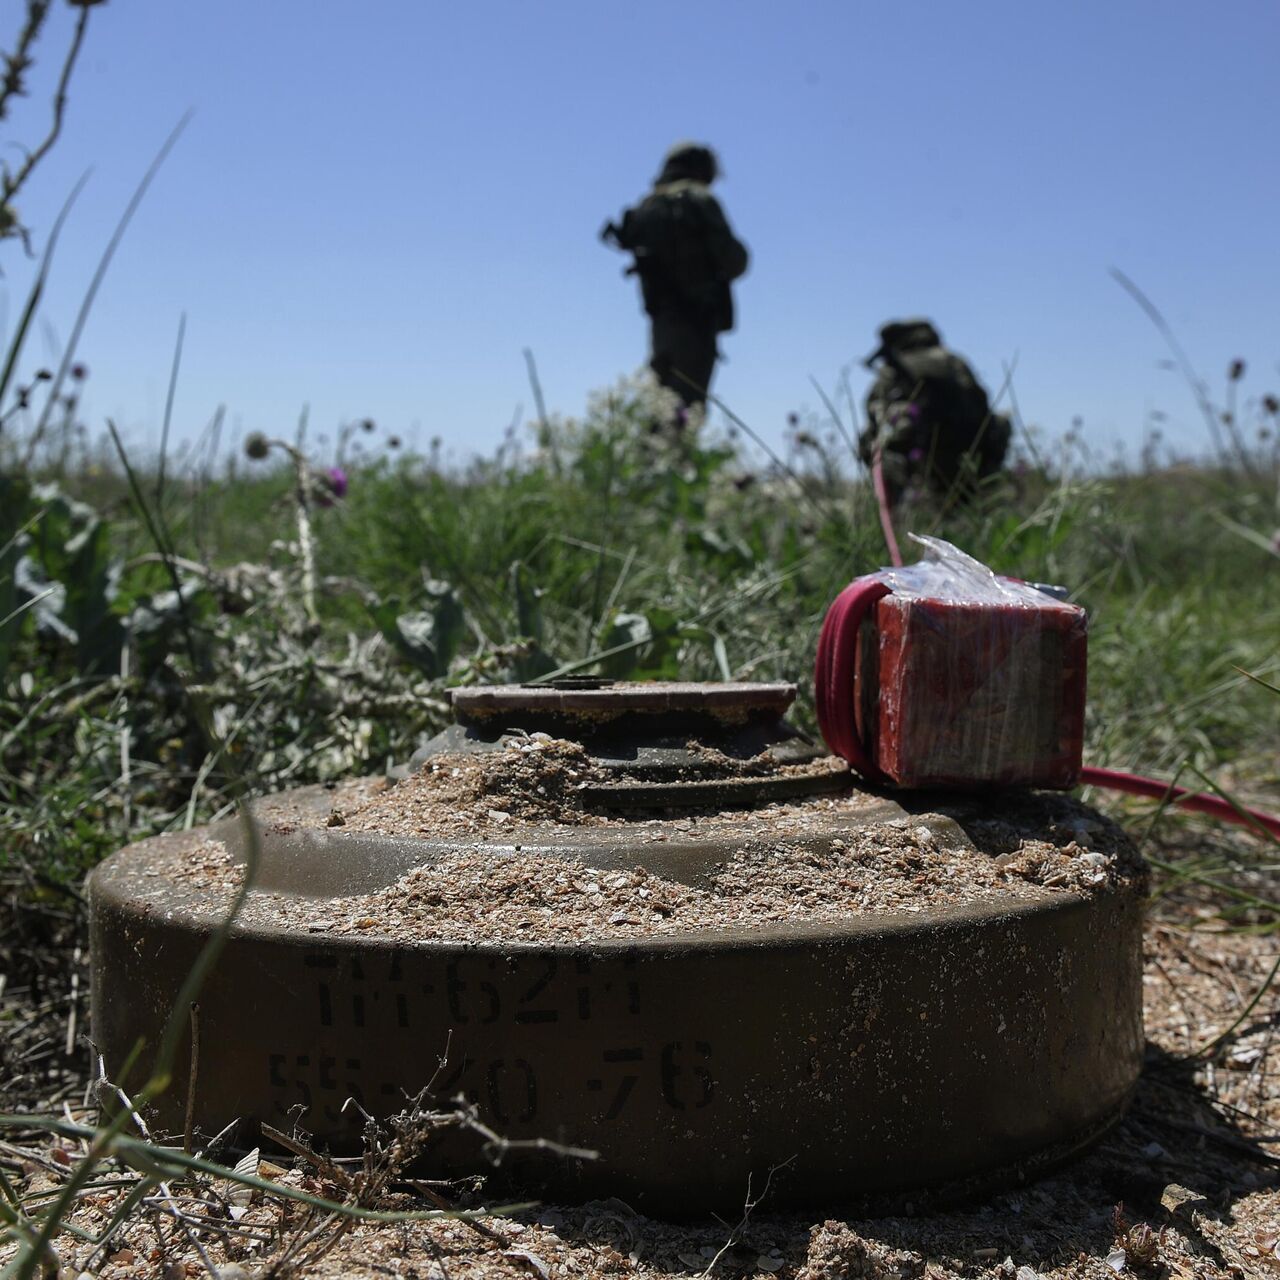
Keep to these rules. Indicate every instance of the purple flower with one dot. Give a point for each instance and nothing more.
(329, 485)
(916, 454)
(913, 411)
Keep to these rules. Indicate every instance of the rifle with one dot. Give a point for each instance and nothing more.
(612, 234)
(891, 358)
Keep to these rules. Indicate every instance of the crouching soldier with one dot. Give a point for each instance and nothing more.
(686, 257)
(929, 417)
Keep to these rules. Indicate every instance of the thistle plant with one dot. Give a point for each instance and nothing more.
(313, 486)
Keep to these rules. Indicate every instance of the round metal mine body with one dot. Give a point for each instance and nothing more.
(942, 1048)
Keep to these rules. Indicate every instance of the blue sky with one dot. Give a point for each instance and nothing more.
(376, 207)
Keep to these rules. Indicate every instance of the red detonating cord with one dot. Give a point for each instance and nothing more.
(1198, 801)
(886, 516)
(834, 671)
(833, 688)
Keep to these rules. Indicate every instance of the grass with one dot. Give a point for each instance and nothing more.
(195, 661)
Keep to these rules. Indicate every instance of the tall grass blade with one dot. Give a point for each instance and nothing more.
(168, 409)
(37, 290)
(86, 305)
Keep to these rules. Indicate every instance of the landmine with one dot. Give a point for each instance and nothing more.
(654, 922)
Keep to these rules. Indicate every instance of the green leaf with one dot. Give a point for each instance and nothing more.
(43, 599)
(72, 547)
(713, 642)
(534, 661)
(154, 621)
(528, 602)
(15, 511)
(709, 543)
(660, 659)
(428, 638)
(624, 629)
(654, 638)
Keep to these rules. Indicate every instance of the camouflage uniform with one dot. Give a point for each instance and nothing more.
(686, 257)
(929, 415)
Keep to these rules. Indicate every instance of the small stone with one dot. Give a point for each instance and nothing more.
(531, 1260)
(1181, 1202)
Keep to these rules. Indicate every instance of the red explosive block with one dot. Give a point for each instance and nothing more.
(972, 694)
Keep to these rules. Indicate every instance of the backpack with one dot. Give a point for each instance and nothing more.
(669, 231)
(948, 396)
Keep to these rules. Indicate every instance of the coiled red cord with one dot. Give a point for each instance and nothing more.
(833, 688)
(833, 675)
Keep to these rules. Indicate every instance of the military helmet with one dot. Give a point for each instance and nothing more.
(689, 161)
(908, 335)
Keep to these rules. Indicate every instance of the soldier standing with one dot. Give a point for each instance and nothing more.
(686, 257)
(928, 416)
